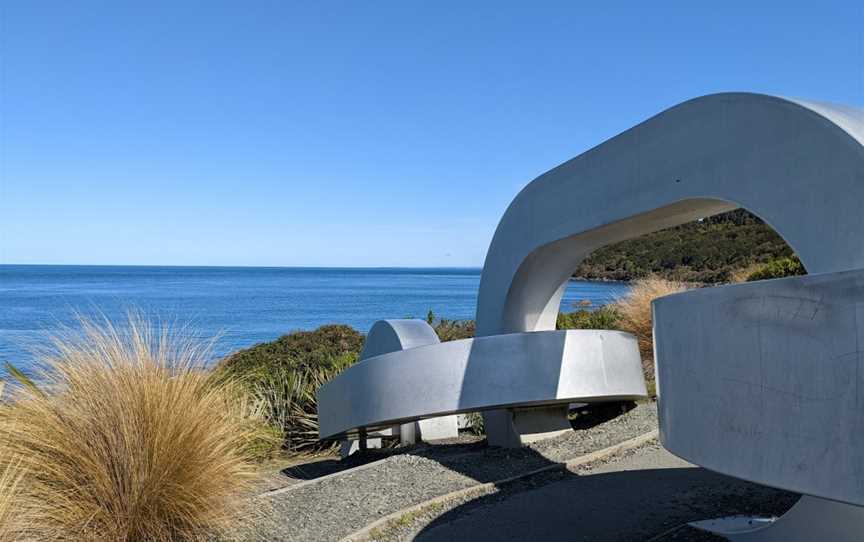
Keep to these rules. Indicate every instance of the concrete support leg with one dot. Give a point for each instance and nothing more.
(430, 429)
(350, 446)
(513, 428)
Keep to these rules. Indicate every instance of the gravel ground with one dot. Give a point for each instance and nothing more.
(338, 506)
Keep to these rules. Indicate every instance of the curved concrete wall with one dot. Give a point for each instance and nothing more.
(387, 336)
(518, 369)
(765, 381)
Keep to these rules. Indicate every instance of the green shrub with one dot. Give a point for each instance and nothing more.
(283, 377)
(289, 402)
(606, 317)
(782, 267)
(324, 347)
(451, 330)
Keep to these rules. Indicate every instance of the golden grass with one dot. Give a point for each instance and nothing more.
(12, 516)
(127, 438)
(635, 314)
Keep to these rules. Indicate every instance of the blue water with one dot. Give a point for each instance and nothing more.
(246, 305)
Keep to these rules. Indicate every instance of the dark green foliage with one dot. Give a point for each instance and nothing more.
(782, 267)
(450, 330)
(603, 318)
(326, 347)
(289, 402)
(706, 251)
(283, 377)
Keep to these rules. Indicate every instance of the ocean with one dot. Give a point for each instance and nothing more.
(242, 305)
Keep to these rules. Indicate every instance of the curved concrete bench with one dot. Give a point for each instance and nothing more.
(550, 367)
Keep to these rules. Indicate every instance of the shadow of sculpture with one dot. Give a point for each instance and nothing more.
(469, 456)
(626, 506)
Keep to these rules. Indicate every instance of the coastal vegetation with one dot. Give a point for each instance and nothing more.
(283, 376)
(124, 435)
(781, 267)
(706, 251)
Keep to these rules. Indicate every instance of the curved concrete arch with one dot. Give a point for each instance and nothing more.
(798, 165)
(387, 336)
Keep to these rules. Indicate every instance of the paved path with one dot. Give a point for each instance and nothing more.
(634, 498)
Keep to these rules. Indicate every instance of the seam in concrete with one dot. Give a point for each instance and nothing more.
(365, 534)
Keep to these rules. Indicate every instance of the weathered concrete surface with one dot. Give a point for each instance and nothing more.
(632, 499)
(764, 381)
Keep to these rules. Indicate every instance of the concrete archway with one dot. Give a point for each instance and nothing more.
(797, 165)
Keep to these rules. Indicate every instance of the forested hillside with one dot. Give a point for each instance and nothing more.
(710, 250)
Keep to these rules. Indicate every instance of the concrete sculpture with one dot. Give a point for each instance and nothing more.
(800, 167)
(393, 336)
(520, 369)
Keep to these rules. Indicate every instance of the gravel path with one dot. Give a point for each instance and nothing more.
(340, 505)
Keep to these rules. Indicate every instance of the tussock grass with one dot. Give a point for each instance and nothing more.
(13, 517)
(126, 437)
(634, 314)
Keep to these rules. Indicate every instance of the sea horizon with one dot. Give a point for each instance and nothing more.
(241, 305)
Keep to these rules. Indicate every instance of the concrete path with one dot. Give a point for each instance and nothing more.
(635, 498)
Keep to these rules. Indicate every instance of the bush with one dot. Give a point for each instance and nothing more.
(322, 348)
(283, 377)
(782, 267)
(606, 317)
(126, 437)
(290, 402)
(451, 330)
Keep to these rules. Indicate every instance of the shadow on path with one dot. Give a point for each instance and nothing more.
(623, 506)
(470, 455)
(476, 460)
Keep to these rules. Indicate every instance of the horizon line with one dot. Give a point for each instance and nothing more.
(245, 266)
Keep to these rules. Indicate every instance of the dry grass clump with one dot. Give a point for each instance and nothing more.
(12, 516)
(634, 314)
(125, 438)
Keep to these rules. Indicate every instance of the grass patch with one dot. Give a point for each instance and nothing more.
(125, 436)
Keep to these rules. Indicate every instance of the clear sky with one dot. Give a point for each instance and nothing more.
(351, 133)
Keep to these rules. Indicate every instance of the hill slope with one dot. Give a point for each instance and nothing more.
(708, 251)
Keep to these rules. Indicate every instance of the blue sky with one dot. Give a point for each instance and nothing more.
(351, 133)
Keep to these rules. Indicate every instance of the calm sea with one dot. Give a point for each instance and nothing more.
(245, 305)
